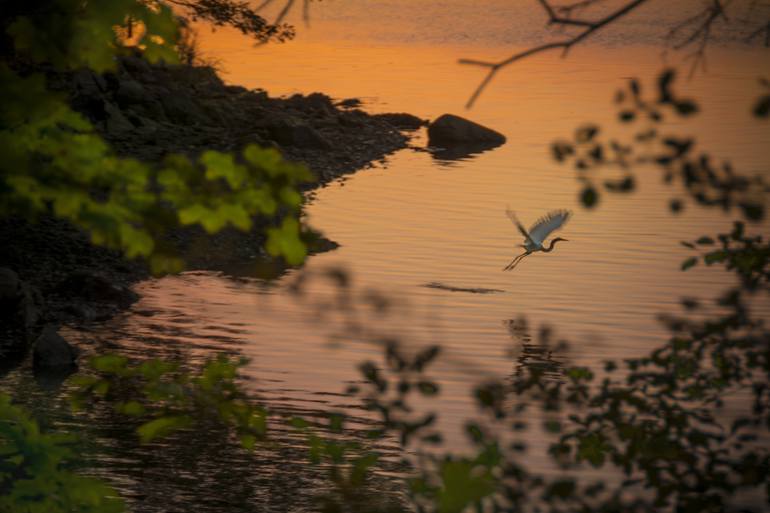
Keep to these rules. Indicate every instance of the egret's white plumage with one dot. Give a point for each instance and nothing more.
(534, 238)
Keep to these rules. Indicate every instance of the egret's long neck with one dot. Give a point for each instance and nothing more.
(550, 248)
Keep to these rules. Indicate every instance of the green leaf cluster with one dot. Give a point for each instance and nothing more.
(36, 474)
(53, 162)
(163, 399)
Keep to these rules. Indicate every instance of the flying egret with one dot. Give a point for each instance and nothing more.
(533, 240)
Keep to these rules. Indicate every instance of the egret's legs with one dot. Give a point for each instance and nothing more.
(515, 261)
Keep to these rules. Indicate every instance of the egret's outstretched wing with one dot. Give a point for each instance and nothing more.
(515, 221)
(545, 225)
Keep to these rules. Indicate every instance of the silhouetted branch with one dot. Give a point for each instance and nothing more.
(763, 28)
(286, 8)
(701, 25)
(240, 15)
(694, 31)
(589, 28)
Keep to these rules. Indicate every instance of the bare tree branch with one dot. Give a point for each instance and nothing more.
(763, 28)
(701, 25)
(693, 32)
(590, 28)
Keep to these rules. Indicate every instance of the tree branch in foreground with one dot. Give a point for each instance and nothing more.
(589, 28)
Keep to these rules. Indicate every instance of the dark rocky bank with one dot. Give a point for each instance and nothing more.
(51, 274)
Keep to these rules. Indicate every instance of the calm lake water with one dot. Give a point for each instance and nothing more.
(415, 219)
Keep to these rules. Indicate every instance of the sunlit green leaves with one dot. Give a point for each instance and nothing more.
(160, 427)
(463, 483)
(52, 158)
(71, 34)
(214, 192)
(222, 165)
(592, 447)
(163, 399)
(35, 475)
(285, 241)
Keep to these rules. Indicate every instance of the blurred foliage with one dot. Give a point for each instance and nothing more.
(36, 470)
(54, 162)
(650, 117)
(162, 398)
(656, 423)
(746, 256)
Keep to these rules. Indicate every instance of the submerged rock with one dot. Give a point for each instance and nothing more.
(53, 352)
(450, 130)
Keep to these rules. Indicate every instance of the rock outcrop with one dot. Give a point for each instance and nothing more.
(52, 352)
(146, 111)
(20, 306)
(449, 130)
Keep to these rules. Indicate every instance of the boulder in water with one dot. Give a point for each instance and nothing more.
(53, 352)
(450, 130)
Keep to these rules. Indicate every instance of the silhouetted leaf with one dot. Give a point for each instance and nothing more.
(589, 197)
(762, 107)
(560, 489)
(427, 388)
(686, 107)
(425, 357)
(586, 133)
(690, 303)
(635, 88)
(753, 211)
(715, 257)
(474, 432)
(597, 153)
(738, 230)
(680, 146)
(689, 263)
(624, 185)
(664, 86)
(561, 150)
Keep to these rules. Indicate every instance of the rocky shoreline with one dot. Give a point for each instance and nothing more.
(51, 274)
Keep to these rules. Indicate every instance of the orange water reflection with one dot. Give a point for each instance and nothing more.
(416, 220)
